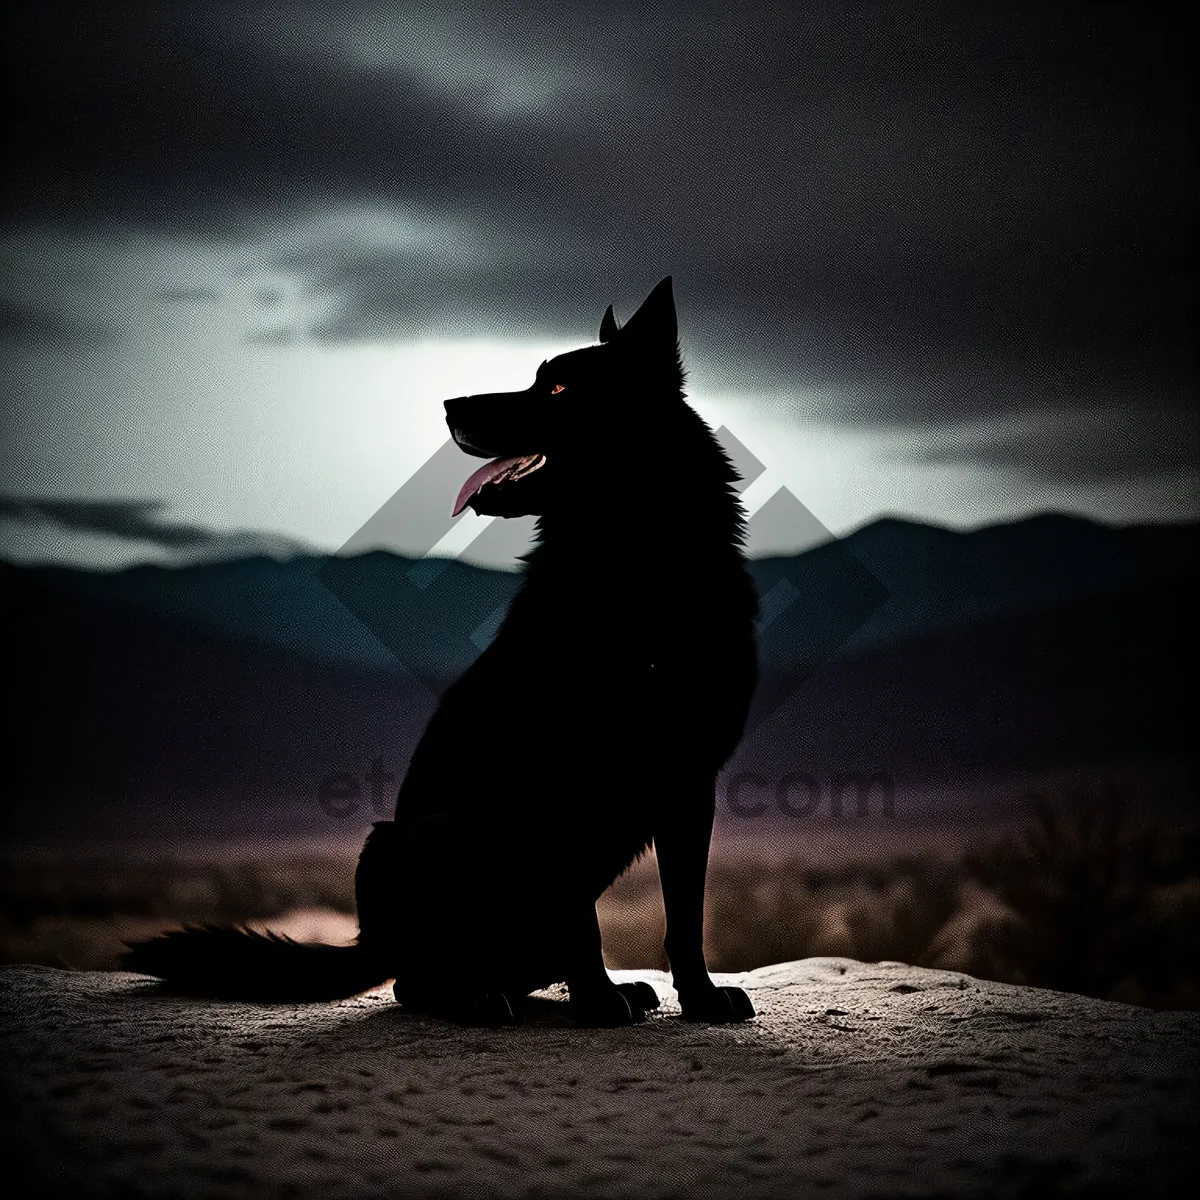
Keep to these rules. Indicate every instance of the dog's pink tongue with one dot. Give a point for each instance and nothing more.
(481, 478)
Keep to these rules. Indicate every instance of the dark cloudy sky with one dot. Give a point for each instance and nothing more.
(930, 259)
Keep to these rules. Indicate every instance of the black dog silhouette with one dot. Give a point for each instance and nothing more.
(593, 725)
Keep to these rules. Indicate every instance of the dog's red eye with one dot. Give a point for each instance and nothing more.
(558, 387)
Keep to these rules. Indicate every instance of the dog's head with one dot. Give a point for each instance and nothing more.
(555, 439)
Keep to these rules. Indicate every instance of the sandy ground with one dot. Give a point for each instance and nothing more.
(855, 1080)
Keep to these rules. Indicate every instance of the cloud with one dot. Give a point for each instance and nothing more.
(282, 336)
(47, 327)
(142, 521)
(133, 519)
(1080, 447)
(189, 295)
(882, 214)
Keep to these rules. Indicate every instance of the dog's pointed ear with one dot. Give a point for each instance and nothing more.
(655, 322)
(608, 325)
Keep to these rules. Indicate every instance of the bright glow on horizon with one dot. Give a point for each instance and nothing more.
(205, 389)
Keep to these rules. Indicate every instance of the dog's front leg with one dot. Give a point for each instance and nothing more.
(681, 841)
(595, 999)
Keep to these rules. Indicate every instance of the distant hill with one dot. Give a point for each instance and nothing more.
(218, 696)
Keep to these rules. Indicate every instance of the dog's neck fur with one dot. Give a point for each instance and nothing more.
(684, 490)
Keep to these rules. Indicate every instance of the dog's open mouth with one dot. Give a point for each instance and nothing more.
(499, 470)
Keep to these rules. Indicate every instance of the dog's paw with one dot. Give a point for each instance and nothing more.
(605, 1008)
(641, 996)
(714, 1005)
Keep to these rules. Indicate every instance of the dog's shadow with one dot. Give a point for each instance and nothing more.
(548, 1009)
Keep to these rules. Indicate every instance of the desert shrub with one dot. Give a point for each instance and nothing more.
(66, 907)
(1096, 899)
(1084, 896)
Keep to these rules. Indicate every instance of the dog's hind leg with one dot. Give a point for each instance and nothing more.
(442, 919)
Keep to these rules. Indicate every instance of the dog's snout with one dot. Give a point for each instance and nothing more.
(458, 412)
(496, 424)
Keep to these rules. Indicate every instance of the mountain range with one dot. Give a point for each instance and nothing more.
(254, 695)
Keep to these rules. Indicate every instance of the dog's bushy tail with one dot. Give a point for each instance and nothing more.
(238, 964)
